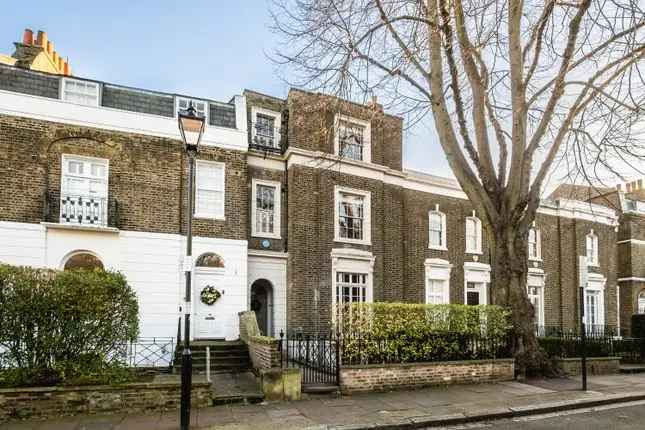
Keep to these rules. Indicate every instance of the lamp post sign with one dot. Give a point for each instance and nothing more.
(583, 276)
(191, 127)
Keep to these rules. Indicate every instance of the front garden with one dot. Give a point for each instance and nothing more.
(65, 327)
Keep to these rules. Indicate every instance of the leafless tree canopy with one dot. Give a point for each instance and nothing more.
(514, 87)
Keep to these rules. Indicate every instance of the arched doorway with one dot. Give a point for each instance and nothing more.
(262, 305)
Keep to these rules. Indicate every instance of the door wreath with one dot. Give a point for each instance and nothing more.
(210, 295)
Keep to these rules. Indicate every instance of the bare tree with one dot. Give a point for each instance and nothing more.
(513, 87)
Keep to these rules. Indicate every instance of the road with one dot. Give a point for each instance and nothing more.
(624, 416)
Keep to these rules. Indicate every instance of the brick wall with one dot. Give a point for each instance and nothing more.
(311, 126)
(595, 365)
(50, 402)
(147, 177)
(264, 352)
(413, 375)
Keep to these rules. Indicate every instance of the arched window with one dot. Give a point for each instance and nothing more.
(210, 260)
(84, 261)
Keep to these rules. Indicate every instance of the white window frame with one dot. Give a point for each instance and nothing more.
(437, 269)
(350, 260)
(367, 137)
(220, 215)
(367, 215)
(595, 285)
(63, 90)
(276, 209)
(277, 124)
(444, 245)
(189, 99)
(84, 159)
(536, 279)
(477, 273)
(592, 260)
(538, 245)
(478, 233)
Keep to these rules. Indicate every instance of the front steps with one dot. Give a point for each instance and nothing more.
(225, 356)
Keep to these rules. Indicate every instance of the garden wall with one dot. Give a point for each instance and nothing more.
(595, 365)
(46, 402)
(380, 377)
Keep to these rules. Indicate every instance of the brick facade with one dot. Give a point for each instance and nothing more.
(148, 193)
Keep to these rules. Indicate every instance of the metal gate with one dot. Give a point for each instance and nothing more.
(316, 355)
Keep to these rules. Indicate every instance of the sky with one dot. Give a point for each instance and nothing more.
(205, 48)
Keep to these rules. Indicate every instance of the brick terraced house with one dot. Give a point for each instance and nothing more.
(301, 203)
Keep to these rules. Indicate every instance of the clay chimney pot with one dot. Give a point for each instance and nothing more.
(628, 185)
(50, 47)
(55, 57)
(28, 37)
(41, 39)
(619, 187)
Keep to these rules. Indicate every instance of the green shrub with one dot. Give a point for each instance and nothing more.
(57, 327)
(398, 332)
(638, 325)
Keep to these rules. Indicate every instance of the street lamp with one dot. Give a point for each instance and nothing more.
(191, 127)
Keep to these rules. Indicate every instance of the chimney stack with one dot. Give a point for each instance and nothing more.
(41, 39)
(28, 37)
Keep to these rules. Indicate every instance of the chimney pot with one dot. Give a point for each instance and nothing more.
(41, 39)
(628, 185)
(55, 57)
(66, 69)
(640, 184)
(28, 37)
(618, 187)
(50, 47)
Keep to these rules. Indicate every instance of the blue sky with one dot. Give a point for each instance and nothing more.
(207, 48)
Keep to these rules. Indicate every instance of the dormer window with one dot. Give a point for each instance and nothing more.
(473, 235)
(592, 249)
(200, 106)
(80, 92)
(265, 128)
(352, 138)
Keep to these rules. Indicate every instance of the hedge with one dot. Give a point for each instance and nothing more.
(64, 326)
(399, 332)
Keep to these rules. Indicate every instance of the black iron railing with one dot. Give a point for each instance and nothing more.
(316, 355)
(150, 352)
(266, 138)
(81, 210)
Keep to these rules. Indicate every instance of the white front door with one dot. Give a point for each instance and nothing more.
(208, 320)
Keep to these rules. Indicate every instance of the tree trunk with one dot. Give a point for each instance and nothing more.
(510, 270)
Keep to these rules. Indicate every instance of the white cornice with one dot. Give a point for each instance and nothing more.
(631, 278)
(270, 162)
(267, 254)
(634, 241)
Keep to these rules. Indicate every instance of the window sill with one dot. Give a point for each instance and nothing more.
(266, 236)
(209, 217)
(438, 248)
(536, 259)
(354, 241)
(593, 265)
(472, 252)
(79, 227)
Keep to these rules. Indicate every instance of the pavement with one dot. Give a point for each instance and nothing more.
(428, 407)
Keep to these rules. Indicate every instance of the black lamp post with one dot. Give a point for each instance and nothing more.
(191, 126)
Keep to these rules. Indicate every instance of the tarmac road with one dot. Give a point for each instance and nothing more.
(623, 416)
